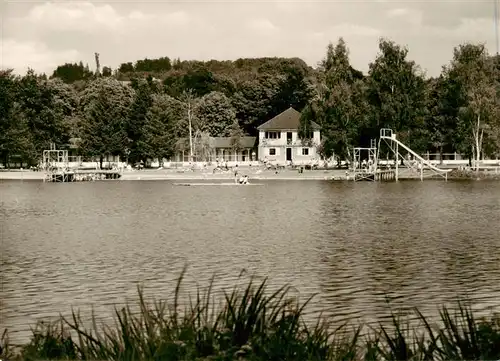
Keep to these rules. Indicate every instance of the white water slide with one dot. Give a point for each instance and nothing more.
(390, 138)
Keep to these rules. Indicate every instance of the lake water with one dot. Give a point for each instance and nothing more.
(90, 244)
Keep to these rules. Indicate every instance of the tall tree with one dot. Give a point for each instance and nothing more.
(160, 134)
(198, 80)
(215, 114)
(345, 115)
(107, 71)
(253, 101)
(236, 134)
(15, 138)
(475, 79)
(69, 73)
(66, 104)
(294, 88)
(8, 138)
(396, 92)
(106, 106)
(126, 68)
(44, 114)
(137, 119)
(440, 120)
(335, 67)
(339, 105)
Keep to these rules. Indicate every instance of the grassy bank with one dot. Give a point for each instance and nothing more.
(252, 324)
(492, 174)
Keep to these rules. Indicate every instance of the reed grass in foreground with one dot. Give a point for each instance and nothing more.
(252, 324)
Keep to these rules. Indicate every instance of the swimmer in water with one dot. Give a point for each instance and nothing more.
(243, 180)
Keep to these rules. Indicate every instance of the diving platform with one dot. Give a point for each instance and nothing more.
(412, 161)
(204, 184)
(404, 163)
(364, 167)
(56, 167)
(79, 175)
(377, 175)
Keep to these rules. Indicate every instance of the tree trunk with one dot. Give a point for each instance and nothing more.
(441, 154)
(477, 134)
(473, 157)
(190, 134)
(101, 160)
(348, 154)
(480, 148)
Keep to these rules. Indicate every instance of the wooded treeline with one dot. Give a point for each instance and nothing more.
(140, 110)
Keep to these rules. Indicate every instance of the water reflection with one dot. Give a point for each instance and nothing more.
(411, 242)
(85, 244)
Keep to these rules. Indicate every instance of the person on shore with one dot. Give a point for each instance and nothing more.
(243, 180)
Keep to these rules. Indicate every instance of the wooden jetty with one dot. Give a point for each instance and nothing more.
(378, 175)
(57, 169)
(385, 175)
(215, 184)
(78, 175)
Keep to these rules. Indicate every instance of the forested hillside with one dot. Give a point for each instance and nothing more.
(141, 109)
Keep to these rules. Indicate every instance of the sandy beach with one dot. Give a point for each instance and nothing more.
(253, 174)
(21, 175)
(169, 174)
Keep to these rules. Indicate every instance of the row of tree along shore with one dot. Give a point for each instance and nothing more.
(256, 324)
(141, 110)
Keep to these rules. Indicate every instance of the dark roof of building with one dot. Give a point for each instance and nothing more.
(220, 142)
(287, 120)
(225, 142)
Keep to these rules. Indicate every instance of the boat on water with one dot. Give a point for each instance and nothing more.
(216, 184)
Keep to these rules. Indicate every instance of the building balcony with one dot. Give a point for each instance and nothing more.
(286, 143)
(272, 142)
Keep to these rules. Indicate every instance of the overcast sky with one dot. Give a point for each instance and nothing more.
(43, 35)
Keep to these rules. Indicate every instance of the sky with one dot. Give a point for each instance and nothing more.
(42, 35)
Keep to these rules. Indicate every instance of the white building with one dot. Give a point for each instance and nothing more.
(279, 140)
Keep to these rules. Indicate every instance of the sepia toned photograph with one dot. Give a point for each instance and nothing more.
(215, 180)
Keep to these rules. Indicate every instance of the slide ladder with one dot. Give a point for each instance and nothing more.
(390, 138)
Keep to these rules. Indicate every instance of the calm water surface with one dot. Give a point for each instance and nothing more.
(91, 244)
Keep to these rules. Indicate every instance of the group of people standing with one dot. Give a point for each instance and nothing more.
(241, 179)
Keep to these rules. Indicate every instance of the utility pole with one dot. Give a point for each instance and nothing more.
(187, 98)
(97, 65)
(190, 132)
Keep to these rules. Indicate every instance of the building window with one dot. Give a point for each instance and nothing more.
(305, 151)
(309, 135)
(273, 135)
(272, 151)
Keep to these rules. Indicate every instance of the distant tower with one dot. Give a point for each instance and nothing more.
(495, 3)
(97, 65)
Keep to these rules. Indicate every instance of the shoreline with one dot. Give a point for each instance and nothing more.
(156, 175)
(283, 175)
